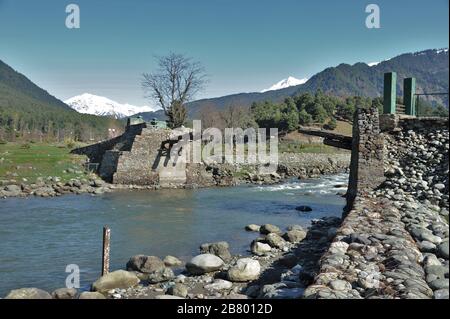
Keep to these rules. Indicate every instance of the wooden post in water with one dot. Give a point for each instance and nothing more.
(106, 246)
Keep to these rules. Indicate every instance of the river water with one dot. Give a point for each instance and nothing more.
(39, 237)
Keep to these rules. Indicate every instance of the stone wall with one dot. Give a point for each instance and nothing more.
(393, 241)
(142, 163)
(366, 166)
(123, 142)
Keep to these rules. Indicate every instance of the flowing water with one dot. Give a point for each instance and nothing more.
(39, 237)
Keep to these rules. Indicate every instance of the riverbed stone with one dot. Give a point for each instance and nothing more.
(439, 284)
(204, 263)
(161, 275)
(269, 228)
(28, 293)
(116, 279)
(179, 290)
(219, 284)
(441, 294)
(145, 264)
(338, 247)
(220, 249)
(443, 250)
(258, 248)
(245, 269)
(12, 190)
(275, 240)
(171, 261)
(168, 297)
(252, 227)
(340, 285)
(91, 295)
(64, 293)
(295, 236)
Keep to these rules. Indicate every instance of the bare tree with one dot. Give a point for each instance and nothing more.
(173, 84)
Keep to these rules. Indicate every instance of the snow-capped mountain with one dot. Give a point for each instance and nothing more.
(290, 81)
(99, 105)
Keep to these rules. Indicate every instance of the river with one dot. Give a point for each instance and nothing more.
(39, 237)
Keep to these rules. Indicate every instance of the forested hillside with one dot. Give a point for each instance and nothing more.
(29, 112)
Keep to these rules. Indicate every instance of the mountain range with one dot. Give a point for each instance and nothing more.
(429, 67)
(98, 105)
(26, 107)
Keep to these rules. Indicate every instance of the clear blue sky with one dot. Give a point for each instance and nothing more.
(245, 45)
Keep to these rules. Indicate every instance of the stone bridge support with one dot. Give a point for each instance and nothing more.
(366, 166)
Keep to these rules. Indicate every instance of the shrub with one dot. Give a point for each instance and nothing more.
(331, 125)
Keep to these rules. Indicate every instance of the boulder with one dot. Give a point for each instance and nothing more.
(171, 261)
(220, 249)
(338, 247)
(442, 250)
(116, 279)
(12, 190)
(252, 227)
(161, 275)
(219, 284)
(179, 290)
(64, 293)
(274, 240)
(259, 248)
(295, 235)
(245, 269)
(268, 228)
(145, 264)
(28, 293)
(91, 295)
(204, 263)
(303, 208)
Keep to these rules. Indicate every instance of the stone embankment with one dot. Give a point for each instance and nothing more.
(393, 243)
(291, 165)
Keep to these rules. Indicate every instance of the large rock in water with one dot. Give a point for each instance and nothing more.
(275, 240)
(219, 249)
(295, 235)
(260, 249)
(28, 293)
(245, 269)
(145, 264)
(117, 279)
(269, 228)
(171, 261)
(204, 263)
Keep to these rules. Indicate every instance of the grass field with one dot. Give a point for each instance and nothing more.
(24, 162)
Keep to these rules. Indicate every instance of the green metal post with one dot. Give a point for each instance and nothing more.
(390, 92)
(409, 89)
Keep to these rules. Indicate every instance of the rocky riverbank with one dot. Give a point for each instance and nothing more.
(290, 165)
(394, 242)
(280, 264)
